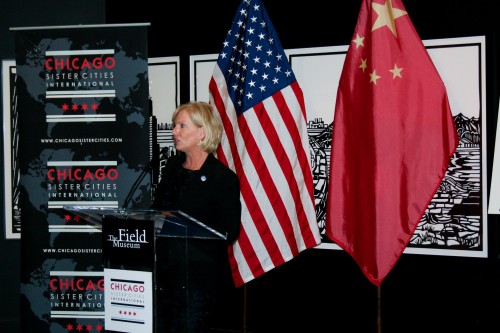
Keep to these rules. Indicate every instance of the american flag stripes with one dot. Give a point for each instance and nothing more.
(265, 142)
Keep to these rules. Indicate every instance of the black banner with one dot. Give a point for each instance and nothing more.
(84, 139)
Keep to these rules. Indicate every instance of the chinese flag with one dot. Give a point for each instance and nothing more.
(393, 138)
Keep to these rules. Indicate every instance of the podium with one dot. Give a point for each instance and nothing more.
(133, 278)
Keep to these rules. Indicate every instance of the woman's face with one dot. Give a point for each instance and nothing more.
(186, 134)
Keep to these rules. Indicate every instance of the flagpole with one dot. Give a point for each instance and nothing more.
(379, 309)
(244, 308)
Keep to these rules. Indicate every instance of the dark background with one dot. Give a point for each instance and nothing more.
(320, 290)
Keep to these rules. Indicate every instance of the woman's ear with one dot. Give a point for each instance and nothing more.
(201, 133)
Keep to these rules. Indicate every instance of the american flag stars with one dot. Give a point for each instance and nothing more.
(253, 68)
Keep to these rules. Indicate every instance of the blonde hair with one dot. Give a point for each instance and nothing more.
(202, 115)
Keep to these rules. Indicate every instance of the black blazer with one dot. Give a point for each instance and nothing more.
(200, 266)
(213, 196)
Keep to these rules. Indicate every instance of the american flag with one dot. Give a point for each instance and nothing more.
(265, 142)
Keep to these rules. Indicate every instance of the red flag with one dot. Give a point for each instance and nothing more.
(265, 142)
(393, 138)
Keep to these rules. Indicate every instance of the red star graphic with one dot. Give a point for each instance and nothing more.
(74, 107)
(98, 328)
(65, 107)
(69, 327)
(67, 218)
(85, 106)
(76, 218)
(94, 106)
(79, 327)
(89, 327)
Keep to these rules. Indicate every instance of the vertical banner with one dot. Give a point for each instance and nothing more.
(84, 139)
(128, 274)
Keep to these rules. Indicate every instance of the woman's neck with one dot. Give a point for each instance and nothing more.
(195, 161)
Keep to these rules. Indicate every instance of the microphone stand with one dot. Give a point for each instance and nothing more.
(139, 179)
(152, 165)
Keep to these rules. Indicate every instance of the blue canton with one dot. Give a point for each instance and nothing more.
(252, 60)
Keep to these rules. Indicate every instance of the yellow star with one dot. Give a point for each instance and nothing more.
(363, 64)
(358, 41)
(374, 77)
(386, 16)
(396, 72)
